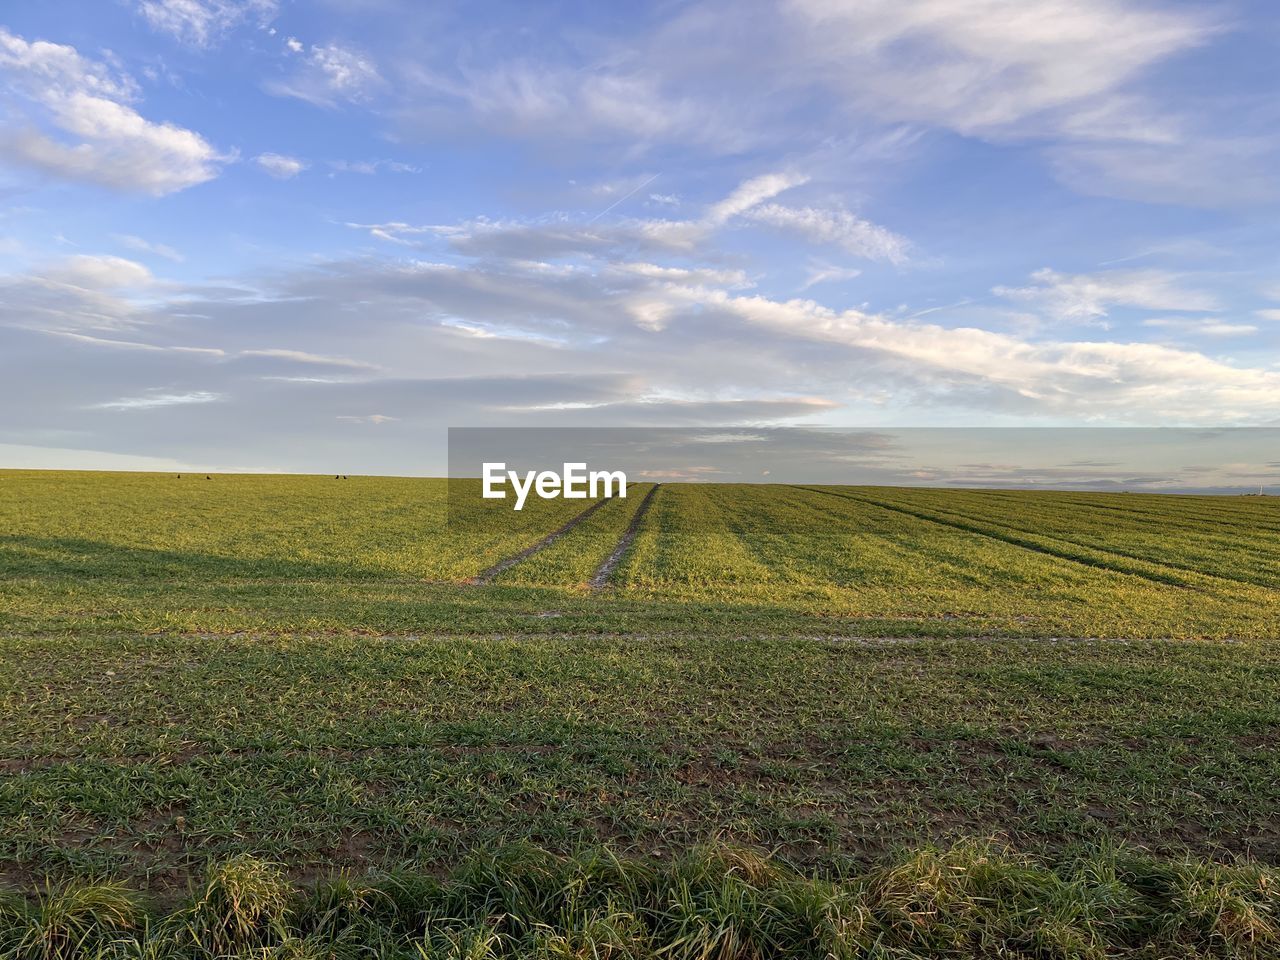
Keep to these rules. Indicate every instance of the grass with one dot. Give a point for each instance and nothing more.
(220, 692)
(971, 901)
(868, 554)
(133, 552)
(143, 756)
(571, 561)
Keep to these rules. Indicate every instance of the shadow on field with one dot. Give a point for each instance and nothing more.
(27, 556)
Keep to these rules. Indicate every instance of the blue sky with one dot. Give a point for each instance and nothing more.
(263, 234)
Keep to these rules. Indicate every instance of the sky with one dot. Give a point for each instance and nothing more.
(1221, 461)
(312, 236)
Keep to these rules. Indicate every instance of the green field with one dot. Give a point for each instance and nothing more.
(303, 670)
(95, 553)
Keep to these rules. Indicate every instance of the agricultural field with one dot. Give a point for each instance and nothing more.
(103, 552)
(292, 676)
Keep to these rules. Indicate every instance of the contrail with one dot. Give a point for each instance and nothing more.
(627, 197)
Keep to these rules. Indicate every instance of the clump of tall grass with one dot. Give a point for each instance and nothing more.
(971, 901)
(244, 907)
(64, 923)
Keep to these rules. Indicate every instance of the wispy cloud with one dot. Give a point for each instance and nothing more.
(151, 400)
(828, 273)
(201, 23)
(301, 356)
(561, 235)
(1201, 326)
(329, 75)
(989, 66)
(280, 166)
(1089, 297)
(146, 246)
(370, 167)
(836, 227)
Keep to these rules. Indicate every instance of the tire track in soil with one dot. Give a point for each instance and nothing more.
(486, 576)
(600, 579)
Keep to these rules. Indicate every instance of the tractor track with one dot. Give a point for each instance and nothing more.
(600, 579)
(487, 576)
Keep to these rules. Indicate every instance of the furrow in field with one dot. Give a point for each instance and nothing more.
(1086, 514)
(691, 538)
(1191, 515)
(1197, 550)
(506, 564)
(771, 541)
(1051, 546)
(600, 578)
(768, 528)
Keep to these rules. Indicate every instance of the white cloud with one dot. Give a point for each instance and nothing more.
(394, 231)
(99, 273)
(331, 74)
(530, 99)
(1121, 381)
(668, 326)
(294, 45)
(78, 292)
(1088, 297)
(828, 273)
(152, 400)
(559, 236)
(1201, 326)
(487, 341)
(280, 166)
(146, 246)
(370, 167)
(546, 238)
(374, 418)
(301, 356)
(838, 227)
(751, 193)
(134, 345)
(689, 276)
(202, 22)
(348, 74)
(1073, 75)
(1268, 314)
(980, 67)
(104, 140)
(986, 66)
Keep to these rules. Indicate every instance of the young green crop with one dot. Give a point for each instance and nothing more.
(144, 755)
(154, 552)
(253, 527)
(297, 668)
(572, 560)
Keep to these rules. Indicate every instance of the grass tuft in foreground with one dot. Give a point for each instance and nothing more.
(969, 901)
